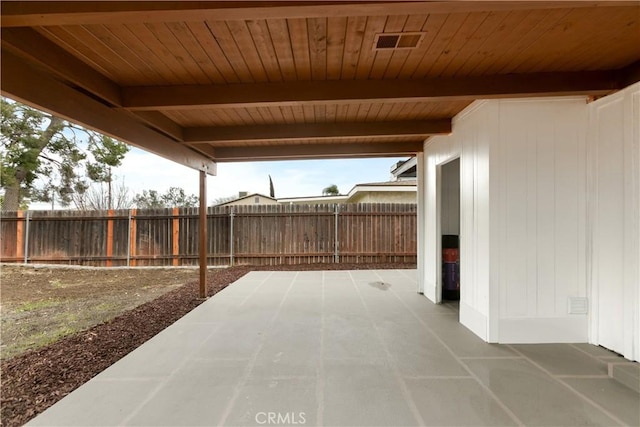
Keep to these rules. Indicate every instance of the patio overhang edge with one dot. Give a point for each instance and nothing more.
(23, 82)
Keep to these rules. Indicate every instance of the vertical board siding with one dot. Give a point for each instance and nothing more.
(262, 235)
(522, 217)
(614, 222)
(543, 144)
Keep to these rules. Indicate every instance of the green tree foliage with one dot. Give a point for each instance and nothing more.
(174, 197)
(43, 157)
(331, 190)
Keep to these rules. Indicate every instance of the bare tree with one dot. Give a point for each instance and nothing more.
(101, 197)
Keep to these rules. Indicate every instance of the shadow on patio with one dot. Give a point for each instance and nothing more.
(344, 348)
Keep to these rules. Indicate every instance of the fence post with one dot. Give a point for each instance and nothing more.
(19, 235)
(176, 237)
(110, 238)
(336, 256)
(231, 215)
(26, 238)
(133, 238)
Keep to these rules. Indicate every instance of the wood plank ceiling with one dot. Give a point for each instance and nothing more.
(229, 81)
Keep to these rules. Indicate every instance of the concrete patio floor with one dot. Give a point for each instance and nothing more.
(338, 348)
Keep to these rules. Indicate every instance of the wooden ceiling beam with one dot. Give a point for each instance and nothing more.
(25, 83)
(353, 91)
(47, 13)
(33, 46)
(317, 151)
(629, 75)
(204, 149)
(159, 122)
(316, 131)
(36, 48)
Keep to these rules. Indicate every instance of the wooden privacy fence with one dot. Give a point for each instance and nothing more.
(266, 234)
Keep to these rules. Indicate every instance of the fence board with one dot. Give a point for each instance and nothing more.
(11, 236)
(260, 235)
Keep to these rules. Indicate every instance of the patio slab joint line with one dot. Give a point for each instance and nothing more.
(500, 403)
(320, 380)
(593, 356)
(256, 288)
(247, 371)
(164, 381)
(394, 368)
(576, 392)
(489, 357)
(437, 377)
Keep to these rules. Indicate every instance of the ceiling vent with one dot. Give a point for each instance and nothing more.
(397, 41)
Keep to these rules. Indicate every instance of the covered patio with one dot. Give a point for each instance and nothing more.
(343, 348)
(537, 101)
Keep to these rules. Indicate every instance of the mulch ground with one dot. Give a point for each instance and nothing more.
(34, 381)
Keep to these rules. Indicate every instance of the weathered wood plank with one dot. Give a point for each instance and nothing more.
(262, 235)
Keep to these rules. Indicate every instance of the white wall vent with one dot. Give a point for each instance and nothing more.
(578, 305)
(396, 41)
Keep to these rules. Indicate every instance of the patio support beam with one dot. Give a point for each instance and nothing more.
(45, 13)
(316, 151)
(344, 92)
(160, 122)
(316, 131)
(29, 44)
(205, 149)
(24, 83)
(202, 234)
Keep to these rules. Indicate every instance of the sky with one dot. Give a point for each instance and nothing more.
(141, 170)
(145, 171)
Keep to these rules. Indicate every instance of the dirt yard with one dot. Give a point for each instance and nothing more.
(41, 305)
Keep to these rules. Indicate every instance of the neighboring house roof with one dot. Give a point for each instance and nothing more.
(315, 199)
(386, 186)
(231, 202)
(403, 183)
(404, 170)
